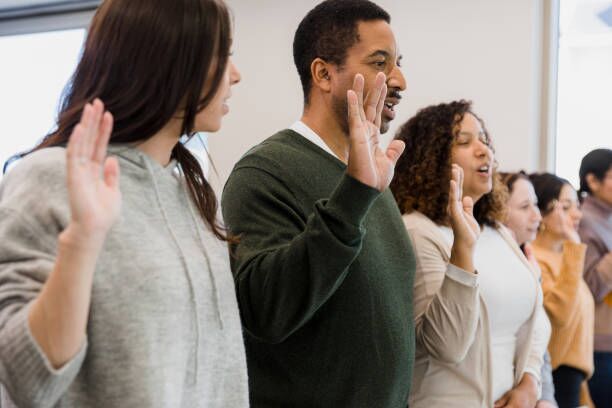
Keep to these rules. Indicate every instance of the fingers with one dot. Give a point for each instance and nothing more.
(74, 148)
(395, 150)
(358, 85)
(106, 128)
(111, 173)
(379, 107)
(455, 184)
(355, 120)
(459, 181)
(503, 401)
(468, 205)
(373, 97)
(91, 128)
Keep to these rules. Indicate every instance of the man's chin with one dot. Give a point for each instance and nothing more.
(384, 126)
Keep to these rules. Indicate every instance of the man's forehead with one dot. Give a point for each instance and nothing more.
(375, 37)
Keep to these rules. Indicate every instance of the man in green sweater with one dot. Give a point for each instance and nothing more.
(324, 267)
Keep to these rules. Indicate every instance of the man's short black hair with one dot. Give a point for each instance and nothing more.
(328, 31)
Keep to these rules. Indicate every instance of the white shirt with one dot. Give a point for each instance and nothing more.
(509, 292)
(303, 130)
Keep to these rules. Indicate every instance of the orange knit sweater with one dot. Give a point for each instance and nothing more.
(569, 304)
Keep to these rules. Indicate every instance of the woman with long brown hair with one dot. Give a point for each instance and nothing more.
(477, 303)
(116, 289)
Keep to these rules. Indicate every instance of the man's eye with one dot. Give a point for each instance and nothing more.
(380, 64)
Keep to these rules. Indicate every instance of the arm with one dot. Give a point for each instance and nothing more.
(560, 294)
(446, 302)
(45, 295)
(450, 310)
(287, 265)
(597, 266)
(548, 388)
(524, 395)
(539, 342)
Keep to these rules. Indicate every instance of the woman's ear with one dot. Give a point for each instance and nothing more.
(593, 183)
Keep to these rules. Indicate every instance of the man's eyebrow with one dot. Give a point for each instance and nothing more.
(381, 53)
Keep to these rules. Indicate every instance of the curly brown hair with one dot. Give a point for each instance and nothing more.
(422, 174)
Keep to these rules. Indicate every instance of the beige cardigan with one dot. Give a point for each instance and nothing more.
(453, 354)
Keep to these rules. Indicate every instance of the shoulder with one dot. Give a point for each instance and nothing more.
(422, 229)
(34, 190)
(280, 151)
(419, 223)
(37, 175)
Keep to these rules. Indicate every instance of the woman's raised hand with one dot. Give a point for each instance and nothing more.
(465, 227)
(93, 179)
(367, 162)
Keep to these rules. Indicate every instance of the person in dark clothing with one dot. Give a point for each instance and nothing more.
(324, 268)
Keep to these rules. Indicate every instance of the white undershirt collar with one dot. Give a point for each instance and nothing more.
(304, 130)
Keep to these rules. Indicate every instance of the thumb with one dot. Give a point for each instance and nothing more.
(111, 172)
(468, 205)
(395, 150)
(502, 402)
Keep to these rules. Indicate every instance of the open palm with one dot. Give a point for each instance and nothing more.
(465, 227)
(367, 162)
(93, 179)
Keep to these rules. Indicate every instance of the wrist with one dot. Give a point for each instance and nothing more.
(530, 384)
(76, 236)
(463, 257)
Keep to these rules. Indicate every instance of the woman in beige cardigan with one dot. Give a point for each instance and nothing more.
(480, 333)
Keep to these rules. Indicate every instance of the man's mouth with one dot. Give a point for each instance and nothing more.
(389, 107)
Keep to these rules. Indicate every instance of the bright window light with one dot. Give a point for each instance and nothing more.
(34, 71)
(584, 118)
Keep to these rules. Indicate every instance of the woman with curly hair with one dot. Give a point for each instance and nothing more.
(480, 334)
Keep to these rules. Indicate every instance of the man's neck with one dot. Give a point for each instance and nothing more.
(329, 130)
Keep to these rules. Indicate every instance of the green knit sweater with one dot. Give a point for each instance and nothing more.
(323, 273)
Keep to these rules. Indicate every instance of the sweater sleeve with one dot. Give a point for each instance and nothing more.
(446, 302)
(597, 267)
(27, 255)
(548, 388)
(561, 293)
(539, 341)
(287, 264)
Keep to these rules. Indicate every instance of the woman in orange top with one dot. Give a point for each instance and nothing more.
(567, 298)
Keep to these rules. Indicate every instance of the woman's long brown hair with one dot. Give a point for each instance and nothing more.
(147, 60)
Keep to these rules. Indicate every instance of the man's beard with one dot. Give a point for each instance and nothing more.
(340, 108)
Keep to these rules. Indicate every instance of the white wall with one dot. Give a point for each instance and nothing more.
(484, 50)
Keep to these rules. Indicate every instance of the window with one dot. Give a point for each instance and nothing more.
(584, 119)
(35, 68)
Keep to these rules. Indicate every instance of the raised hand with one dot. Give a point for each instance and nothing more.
(559, 217)
(93, 179)
(465, 227)
(367, 162)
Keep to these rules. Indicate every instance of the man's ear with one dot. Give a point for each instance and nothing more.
(593, 183)
(320, 72)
